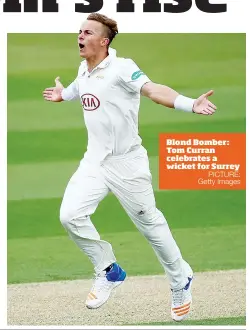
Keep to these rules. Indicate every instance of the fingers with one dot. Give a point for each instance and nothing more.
(49, 89)
(47, 94)
(207, 111)
(209, 93)
(210, 109)
(211, 105)
(204, 111)
(58, 83)
(48, 98)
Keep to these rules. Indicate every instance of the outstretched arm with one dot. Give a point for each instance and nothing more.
(168, 97)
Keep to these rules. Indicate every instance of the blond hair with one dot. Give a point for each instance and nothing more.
(110, 25)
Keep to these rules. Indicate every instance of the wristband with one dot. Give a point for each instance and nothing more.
(184, 103)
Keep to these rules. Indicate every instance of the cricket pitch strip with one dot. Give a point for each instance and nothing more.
(140, 299)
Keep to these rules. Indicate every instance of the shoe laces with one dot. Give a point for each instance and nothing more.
(100, 283)
(177, 297)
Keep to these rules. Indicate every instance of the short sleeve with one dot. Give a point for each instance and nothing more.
(131, 77)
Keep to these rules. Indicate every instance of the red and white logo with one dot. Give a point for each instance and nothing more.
(90, 102)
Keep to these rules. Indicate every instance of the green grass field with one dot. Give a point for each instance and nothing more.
(219, 321)
(46, 142)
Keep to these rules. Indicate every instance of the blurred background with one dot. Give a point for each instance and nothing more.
(46, 142)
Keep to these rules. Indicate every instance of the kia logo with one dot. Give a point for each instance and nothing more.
(90, 102)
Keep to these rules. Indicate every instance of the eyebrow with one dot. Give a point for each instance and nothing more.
(80, 31)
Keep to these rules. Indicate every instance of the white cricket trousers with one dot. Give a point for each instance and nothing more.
(129, 179)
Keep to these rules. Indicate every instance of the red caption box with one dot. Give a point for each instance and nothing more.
(202, 161)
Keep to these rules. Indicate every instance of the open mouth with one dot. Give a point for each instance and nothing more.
(81, 46)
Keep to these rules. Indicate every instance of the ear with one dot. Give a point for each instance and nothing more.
(106, 41)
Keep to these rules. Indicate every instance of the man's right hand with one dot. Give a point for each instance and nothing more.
(53, 94)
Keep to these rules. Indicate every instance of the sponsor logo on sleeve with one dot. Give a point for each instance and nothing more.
(137, 75)
(90, 102)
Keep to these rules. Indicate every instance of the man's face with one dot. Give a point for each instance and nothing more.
(91, 38)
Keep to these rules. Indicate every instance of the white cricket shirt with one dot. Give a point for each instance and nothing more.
(110, 98)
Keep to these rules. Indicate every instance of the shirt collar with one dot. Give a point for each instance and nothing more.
(112, 55)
